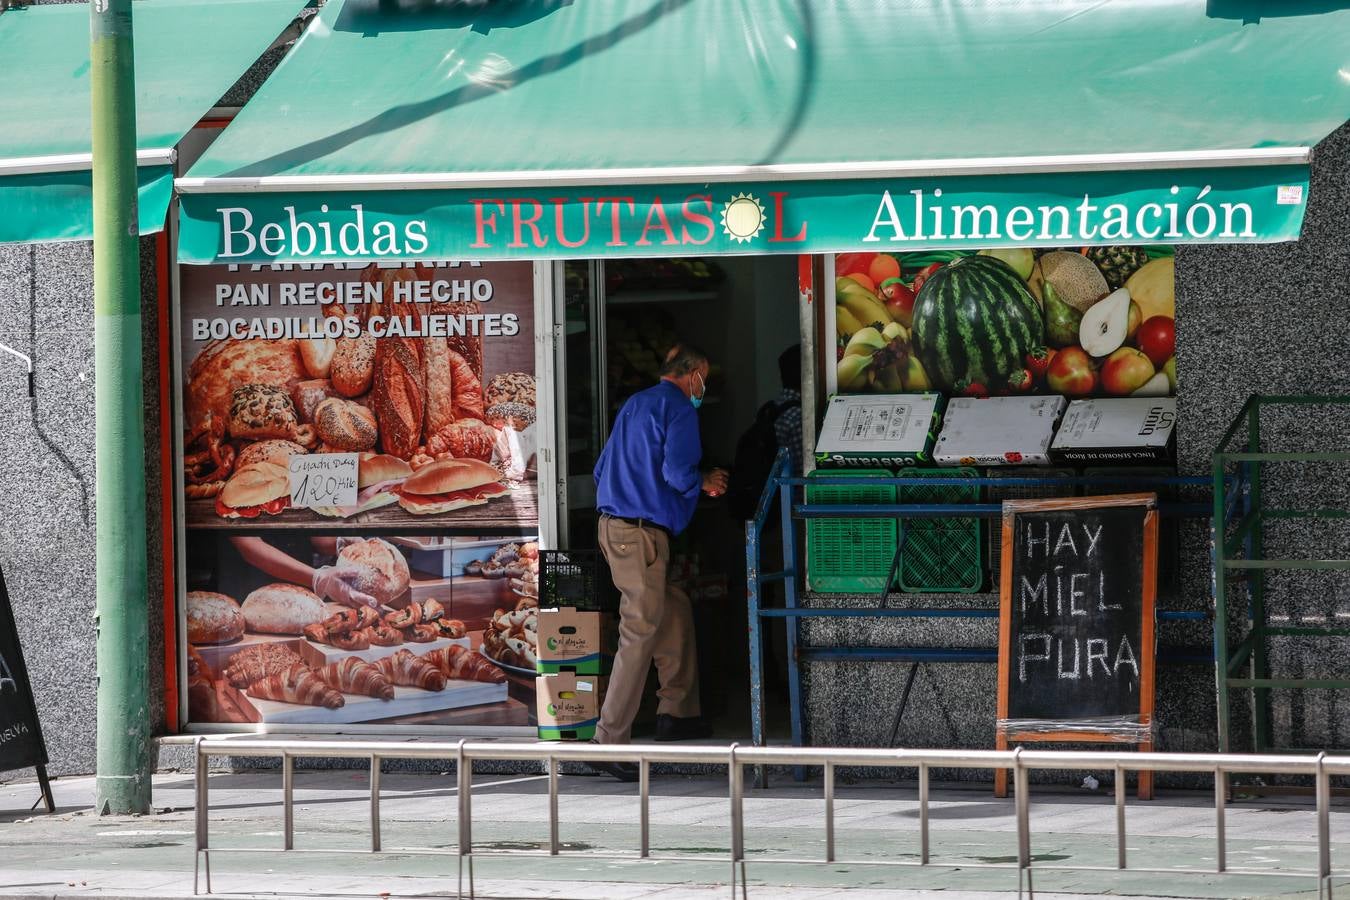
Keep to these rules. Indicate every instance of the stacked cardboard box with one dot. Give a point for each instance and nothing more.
(575, 655)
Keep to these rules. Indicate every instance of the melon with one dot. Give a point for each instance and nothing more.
(1076, 278)
(974, 322)
(1153, 287)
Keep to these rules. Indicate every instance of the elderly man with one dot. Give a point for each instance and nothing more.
(647, 485)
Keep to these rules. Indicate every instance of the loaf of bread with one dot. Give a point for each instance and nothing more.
(510, 387)
(398, 395)
(282, 608)
(438, 377)
(317, 355)
(307, 395)
(381, 570)
(213, 618)
(345, 426)
(353, 365)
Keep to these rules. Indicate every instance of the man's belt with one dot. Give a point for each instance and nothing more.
(644, 523)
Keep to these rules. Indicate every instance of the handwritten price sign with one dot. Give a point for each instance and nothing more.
(323, 479)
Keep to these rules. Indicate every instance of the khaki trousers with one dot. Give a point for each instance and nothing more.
(655, 625)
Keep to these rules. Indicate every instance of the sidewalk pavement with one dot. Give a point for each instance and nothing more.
(78, 854)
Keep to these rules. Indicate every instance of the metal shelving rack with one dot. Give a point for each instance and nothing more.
(789, 491)
(1238, 549)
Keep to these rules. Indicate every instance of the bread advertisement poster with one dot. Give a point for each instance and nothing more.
(359, 494)
(1078, 322)
(425, 372)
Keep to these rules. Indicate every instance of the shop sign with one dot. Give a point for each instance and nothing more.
(1230, 205)
(359, 493)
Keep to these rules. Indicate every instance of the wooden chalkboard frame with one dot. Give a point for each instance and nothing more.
(1149, 583)
(18, 673)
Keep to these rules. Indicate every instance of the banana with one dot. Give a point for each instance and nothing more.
(865, 342)
(893, 331)
(888, 379)
(844, 322)
(916, 379)
(861, 303)
(852, 372)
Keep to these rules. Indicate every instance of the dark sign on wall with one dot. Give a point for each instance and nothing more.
(21, 743)
(1076, 631)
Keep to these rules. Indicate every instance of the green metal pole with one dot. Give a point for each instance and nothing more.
(122, 608)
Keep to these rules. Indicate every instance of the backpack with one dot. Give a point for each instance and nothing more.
(755, 452)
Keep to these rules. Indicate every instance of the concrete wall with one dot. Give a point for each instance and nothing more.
(1268, 319)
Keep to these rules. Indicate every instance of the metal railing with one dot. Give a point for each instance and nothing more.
(1319, 768)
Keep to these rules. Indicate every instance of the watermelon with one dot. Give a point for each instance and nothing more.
(974, 322)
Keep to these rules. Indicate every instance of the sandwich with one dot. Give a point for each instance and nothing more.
(378, 475)
(254, 489)
(450, 484)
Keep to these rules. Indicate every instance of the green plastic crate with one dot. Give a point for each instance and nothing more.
(849, 556)
(941, 555)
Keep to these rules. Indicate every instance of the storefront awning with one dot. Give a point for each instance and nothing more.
(552, 128)
(188, 54)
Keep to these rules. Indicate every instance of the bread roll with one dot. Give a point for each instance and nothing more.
(307, 395)
(382, 572)
(345, 426)
(353, 365)
(213, 618)
(317, 355)
(282, 609)
(276, 451)
(511, 387)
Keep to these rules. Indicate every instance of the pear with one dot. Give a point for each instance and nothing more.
(1157, 386)
(1061, 320)
(1106, 324)
(865, 342)
(1021, 259)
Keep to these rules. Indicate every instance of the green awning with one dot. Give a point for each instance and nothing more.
(414, 129)
(188, 54)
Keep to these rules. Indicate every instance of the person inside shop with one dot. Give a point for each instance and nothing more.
(282, 559)
(648, 482)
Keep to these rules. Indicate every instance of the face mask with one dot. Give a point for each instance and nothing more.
(698, 401)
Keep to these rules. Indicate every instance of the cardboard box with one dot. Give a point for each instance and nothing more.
(574, 641)
(998, 431)
(878, 430)
(569, 705)
(1125, 430)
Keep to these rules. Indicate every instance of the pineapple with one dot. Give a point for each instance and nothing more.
(1117, 264)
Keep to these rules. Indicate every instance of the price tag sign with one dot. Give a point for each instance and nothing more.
(323, 479)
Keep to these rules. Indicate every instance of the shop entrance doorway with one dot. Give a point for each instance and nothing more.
(618, 319)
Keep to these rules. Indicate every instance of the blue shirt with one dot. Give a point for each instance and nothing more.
(649, 467)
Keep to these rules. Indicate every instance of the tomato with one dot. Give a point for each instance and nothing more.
(848, 263)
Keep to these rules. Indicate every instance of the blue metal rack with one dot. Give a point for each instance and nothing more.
(786, 488)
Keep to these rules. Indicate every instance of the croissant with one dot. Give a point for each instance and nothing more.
(406, 669)
(456, 662)
(355, 640)
(466, 438)
(452, 628)
(258, 662)
(298, 684)
(424, 633)
(384, 636)
(356, 676)
(406, 617)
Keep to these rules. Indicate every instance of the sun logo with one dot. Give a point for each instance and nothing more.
(743, 217)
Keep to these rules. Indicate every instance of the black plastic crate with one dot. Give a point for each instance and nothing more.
(578, 578)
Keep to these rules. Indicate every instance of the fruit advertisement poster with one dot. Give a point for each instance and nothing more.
(1081, 322)
(403, 592)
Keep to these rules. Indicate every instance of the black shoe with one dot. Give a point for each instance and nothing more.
(678, 728)
(624, 771)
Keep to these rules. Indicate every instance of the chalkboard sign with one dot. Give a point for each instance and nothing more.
(21, 744)
(1076, 626)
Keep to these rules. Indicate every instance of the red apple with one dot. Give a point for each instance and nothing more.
(1126, 371)
(1157, 337)
(1071, 373)
(899, 300)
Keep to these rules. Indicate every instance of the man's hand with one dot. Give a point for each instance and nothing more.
(336, 585)
(715, 482)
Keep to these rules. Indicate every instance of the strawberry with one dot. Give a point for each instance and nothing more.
(1020, 382)
(1038, 361)
(971, 389)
